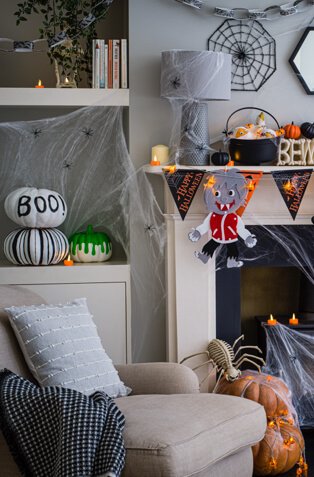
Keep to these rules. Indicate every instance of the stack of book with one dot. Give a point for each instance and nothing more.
(110, 64)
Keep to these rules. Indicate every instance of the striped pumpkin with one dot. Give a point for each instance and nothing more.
(36, 246)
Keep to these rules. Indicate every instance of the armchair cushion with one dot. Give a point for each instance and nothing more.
(159, 378)
(186, 434)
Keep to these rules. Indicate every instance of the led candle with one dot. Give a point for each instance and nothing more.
(293, 320)
(161, 153)
(271, 321)
(68, 262)
(39, 84)
(155, 161)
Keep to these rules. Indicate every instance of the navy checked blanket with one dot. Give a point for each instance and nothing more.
(58, 432)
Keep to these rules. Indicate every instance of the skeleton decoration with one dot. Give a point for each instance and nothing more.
(225, 192)
(225, 360)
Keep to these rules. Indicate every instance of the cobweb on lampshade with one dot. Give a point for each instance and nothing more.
(83, 156)
(253, 52)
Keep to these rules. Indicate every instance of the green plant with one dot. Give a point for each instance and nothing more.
(74, 55)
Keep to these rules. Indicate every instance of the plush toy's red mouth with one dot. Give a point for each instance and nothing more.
(225, 207)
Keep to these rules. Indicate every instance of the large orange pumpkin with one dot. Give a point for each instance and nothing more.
(292, 131)
(269, 391)
(283, 443)
(279, 451)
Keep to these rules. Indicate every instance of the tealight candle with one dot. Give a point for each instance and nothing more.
(39, 84)
(161, 153)
(293, 320)
(271, 321)
(230, 164)
(155, 161)
(68, 262)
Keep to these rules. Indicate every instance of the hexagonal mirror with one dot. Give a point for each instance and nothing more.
(302, 60)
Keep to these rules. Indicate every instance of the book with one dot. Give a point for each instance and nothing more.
(110, 58)
(116, 64)
(124, 63)
(106, 66)
(96, 61)
(102, 64)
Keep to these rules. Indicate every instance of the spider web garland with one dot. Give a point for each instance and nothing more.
(253, 52)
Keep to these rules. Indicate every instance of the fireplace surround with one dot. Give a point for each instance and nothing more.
(193, 289)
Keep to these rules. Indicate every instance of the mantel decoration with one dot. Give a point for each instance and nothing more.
(239, 13)
(253, 52)
(68, 28)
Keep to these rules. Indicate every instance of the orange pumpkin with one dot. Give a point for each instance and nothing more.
(292, 131)
(269, 391)
(279, 451)
(283, 443)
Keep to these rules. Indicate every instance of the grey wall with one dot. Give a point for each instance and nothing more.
(157, 25)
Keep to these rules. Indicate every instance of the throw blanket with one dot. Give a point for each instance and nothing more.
(60, 432)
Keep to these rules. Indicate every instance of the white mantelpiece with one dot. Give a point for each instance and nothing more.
(191, 307)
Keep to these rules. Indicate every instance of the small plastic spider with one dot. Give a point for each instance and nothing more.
(88, 132)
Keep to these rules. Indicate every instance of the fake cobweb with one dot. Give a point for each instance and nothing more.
(290, 356)
(84, 157)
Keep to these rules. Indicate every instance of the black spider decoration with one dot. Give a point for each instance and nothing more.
(36, 132)
(150, 229)
(292, 358)
(176, 83)
(89, 132)
(201, 147)
(67, 165)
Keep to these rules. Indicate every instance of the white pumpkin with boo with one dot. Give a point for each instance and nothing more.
(35, 208)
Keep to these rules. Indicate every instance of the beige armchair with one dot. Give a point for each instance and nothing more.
(172, 430)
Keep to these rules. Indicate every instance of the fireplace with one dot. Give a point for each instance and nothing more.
(268, 283)
(194, 290)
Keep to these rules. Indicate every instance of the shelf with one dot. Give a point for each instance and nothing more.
(63, 97)
(266, 169)
(111, 271)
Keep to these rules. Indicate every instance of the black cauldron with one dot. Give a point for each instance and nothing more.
(253, 152)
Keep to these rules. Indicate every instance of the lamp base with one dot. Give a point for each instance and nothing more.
(194, 143)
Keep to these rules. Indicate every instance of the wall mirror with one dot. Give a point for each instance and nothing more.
(301, 60)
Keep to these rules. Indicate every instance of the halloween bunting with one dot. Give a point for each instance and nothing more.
(292, 186)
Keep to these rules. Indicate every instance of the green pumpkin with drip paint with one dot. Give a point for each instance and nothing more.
(90, 246)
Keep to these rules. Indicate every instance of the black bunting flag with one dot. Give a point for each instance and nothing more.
(183, 184)
(292, 186)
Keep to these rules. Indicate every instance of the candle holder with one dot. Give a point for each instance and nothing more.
(271, 321)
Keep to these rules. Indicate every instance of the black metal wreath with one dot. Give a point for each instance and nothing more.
(253, 52)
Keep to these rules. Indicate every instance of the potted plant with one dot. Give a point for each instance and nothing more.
(69, 27)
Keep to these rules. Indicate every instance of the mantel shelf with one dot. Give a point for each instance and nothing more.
(32, 97)
(266, 169)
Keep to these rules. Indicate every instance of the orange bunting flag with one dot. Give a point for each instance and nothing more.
(252, 179)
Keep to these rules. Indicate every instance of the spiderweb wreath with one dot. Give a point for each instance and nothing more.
(253, 52)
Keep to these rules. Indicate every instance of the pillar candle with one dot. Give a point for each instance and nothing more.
(161, 153)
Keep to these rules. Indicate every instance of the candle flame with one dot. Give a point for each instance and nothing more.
(271, 318)
(39, 83)
(155, 159)
(293, 316)
(66, 80)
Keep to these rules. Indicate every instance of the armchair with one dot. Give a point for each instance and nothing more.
(172, 430)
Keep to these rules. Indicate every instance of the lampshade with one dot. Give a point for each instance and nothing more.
(195, 75)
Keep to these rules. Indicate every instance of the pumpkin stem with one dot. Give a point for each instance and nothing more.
(89, 229)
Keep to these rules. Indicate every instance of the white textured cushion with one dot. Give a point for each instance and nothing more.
(62, 348)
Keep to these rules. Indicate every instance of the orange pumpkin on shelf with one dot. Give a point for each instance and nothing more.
(292, 131)
(269, 391)
(279, 451)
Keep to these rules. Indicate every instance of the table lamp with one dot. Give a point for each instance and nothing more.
(193, 78)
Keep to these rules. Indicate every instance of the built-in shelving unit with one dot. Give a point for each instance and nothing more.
(63, 97)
